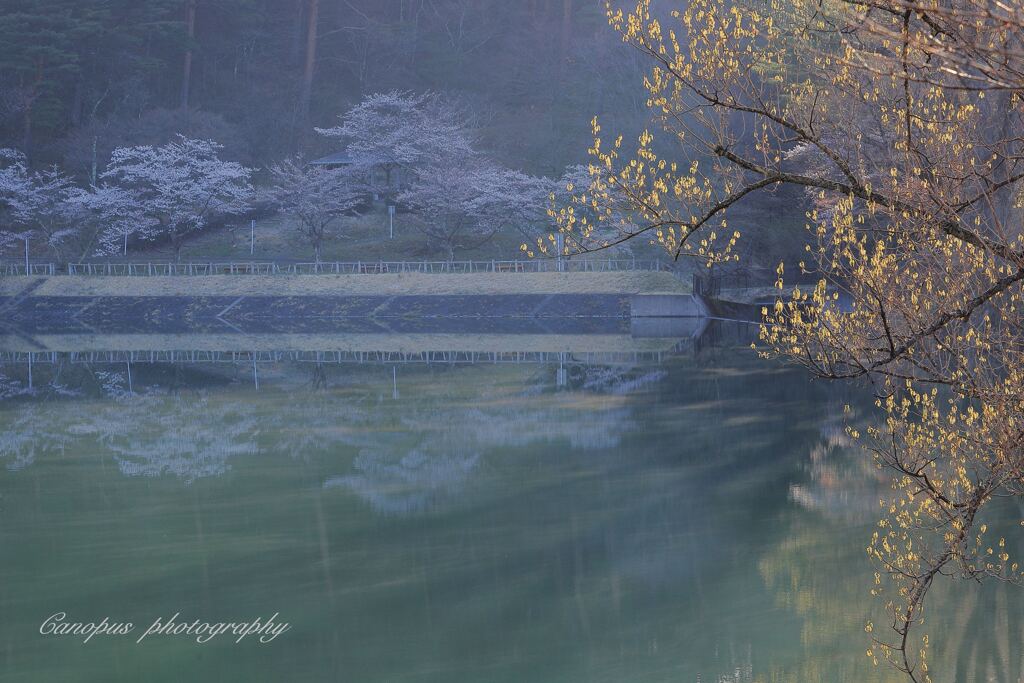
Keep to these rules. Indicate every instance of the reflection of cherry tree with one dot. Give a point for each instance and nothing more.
(568, 416)
(30, 434)
(410, 460)
(617, 380)
(31, 430)
(428, 452)
(401, 467)
(398, 480)
(559, 421)
(408, 483)
(398, 455)
(10, 388)
(187, 436)
(149, 434)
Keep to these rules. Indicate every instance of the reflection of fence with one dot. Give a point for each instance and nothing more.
(33, 269)
(362, 357)
(363, 267)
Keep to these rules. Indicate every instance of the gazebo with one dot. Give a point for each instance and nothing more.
(387, 177)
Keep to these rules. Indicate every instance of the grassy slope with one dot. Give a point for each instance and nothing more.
(364, 238)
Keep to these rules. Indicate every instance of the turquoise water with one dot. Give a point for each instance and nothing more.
(699, 519)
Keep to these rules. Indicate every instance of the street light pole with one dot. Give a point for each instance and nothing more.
(26, 255)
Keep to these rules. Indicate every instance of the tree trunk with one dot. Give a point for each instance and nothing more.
(95, 162)
(312, 22)
(563, 61)
(26, 132)
(190, 30)
(30, 100)
(77, 103)
(88, 245)
(176, 243)
(295, 48)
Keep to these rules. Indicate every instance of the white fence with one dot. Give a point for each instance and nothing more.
(342, 357)
(33, 269)
(153, 268)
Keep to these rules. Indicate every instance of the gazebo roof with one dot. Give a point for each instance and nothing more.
(336, 159)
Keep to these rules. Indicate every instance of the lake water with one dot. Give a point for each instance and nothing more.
(702, 518)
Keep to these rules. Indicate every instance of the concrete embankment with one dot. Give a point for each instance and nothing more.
(92, 312)
(667, 306)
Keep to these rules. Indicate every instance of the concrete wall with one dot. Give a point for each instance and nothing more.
(667, 306)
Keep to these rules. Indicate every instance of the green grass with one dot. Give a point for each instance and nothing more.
(359, 238)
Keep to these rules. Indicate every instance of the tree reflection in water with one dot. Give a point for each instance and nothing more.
(811, 574)
(705, 518)
(403, 453)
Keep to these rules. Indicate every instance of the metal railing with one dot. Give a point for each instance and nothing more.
(342, 357)
(18, 268)
(155, 268)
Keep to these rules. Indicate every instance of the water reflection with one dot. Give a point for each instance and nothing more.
(191, 421)
(405, 483)
(698, 519)
(842, 482)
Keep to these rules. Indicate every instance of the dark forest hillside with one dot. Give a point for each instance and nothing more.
(257, 75)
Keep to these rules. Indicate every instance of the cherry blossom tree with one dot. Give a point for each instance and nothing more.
(44, 205)
(406, 130)
(463, 197)
(465, 204)
(609, 225)
(176, 188)
(116, 218)
(15, 187)
(55, 209)
(316, 197)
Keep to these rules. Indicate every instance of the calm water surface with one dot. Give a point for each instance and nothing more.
(699, 520)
